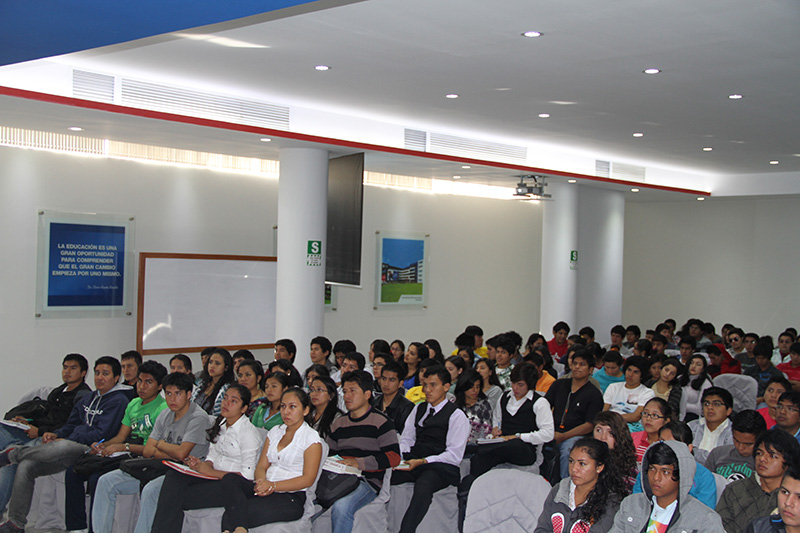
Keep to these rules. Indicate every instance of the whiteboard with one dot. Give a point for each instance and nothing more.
(190, 301)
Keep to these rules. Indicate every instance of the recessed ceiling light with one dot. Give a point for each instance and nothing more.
(562, 102)
(456, 177)
(451, 96)
(572, 181)
(774, 162)
(465, 166)
(265, 139)
(735, 96)
(75, 128)
(700, 199)
(322, 67)
(707, 149)
(651, 71)
(737, 142)
(638, 134)
(544, 115)
(634, 190)
(503, 89)
(532, 34)
(221, 41)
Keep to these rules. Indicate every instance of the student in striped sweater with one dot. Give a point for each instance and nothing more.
(365, 439)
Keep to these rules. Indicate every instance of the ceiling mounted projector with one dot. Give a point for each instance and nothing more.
(531, 187)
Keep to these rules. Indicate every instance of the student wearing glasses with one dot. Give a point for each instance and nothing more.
(788, 413)
(713, 428)
(655, 414)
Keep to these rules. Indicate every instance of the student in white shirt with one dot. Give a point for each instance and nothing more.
(629, 397)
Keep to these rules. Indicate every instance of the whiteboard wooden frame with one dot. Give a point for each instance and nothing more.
(146, 257)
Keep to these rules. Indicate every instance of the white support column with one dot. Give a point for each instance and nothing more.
(601, 228)
(302, 221)
(559, 239)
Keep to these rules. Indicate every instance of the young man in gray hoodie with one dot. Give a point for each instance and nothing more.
(668, 472)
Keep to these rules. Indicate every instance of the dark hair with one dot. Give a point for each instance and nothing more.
(465, 339)
(357, 357)
(633, 328)
(645, 346)
(281, 378)
(688, 340)
(208, 351)
(581, 353)
(748, 421)
(438, 370)
(422, 350)
(258, 370)
(613, 357)
(780, 380)
(516, 338)
(763, 349)
(678, 366)
(792, 471)
(777, 440)
(323, 342)
(586, 330)
(534, 358)
(661, 454)
(561, 326)
(736, 331)
(244, 393)
(247, 355)
(525, 372)
(180, 380)
(619, 329)
(505, 342)
(331, 410)
(493, 379)
(116, 368)
(387, 357)
(624, 453)
(724, 394)
(532, 338)
(637, 361)
(344, 346)
(434, 345)
(321, 370)
(663, 406)
(380, 346)
(609, 482)
(680, 431)
(470, 354)
(132, 354)
(295, 380)
(474, 330)
(795, 348)
(658, 337)
(394, 366)
(401, 343)
(155, 369)
(493, 341)
(227, 377)
(465, 382)
(183, 358)
(362, 378)
(697, 382)
(78, 358)
(457, 362)
(205, 352)
(290, 347)
(790, 396)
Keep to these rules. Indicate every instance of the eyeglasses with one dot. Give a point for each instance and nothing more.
(734, 339)
(654, 416)
(791, 409)
(713, 404)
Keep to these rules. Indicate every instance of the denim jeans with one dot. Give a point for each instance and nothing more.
(8, 437)
(112, 485)
(564, 449)
(344, 509)
(33, 462)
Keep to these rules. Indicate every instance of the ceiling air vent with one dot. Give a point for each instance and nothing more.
(416, 140)
(460, 146)
(92, 86)
(602, 169)
(619, 171)
(168, 99)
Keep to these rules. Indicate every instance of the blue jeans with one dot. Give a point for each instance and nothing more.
(105, 500)
(343, 511)
(9, 436)
(564, 449)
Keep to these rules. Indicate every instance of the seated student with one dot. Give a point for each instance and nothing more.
(629, 397)
(378, 346)
(704, 487)
(378, 361)
(130, 362)
(516, 339)
(792, 367)
(283, 366)
(455, 365)
(523, 419)
(137, 423)
(469, 357)
(416, 394)
(666, 505)
(612, 371)
(655, 414)
(59, 404)
(575, 403)
(591, 352)
(763, 371)
(687, 347)
(775, 387)
(654, 363)
(558, 344)
(320, 355)
(504, 351)
(713, 428)
(178, 431)
(545, 379)
(611, 428)
(251, 374)
(735, 461)
(391, 402)
(721, 362)
(285, 349)
(268, 415)
(471, 399)
(788, 410)
(398, 350)
(180, 363)
(95, 417)
(490, 386)
(366, 439)
(313, 372)
(324, 398)
(432, 443)
(234, 448)
(351, 361)
(659, 344)
(587, 334)
(694, 383)
(217, 376)
(435, 351)
(632, 335)
(589, 498)
(787, 517)
(781, 353)
(340, 349)
(747, 499)
(239, 356)
(617, 336)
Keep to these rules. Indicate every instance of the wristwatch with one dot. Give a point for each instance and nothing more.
(127, 447)
(517, 435)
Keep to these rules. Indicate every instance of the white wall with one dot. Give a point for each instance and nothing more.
(485, 257)
(721, 260)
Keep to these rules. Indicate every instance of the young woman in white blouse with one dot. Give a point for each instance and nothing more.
(235, 444)
(287, 466)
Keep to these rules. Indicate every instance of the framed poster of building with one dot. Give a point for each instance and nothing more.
(84, 265)
(402, 269)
